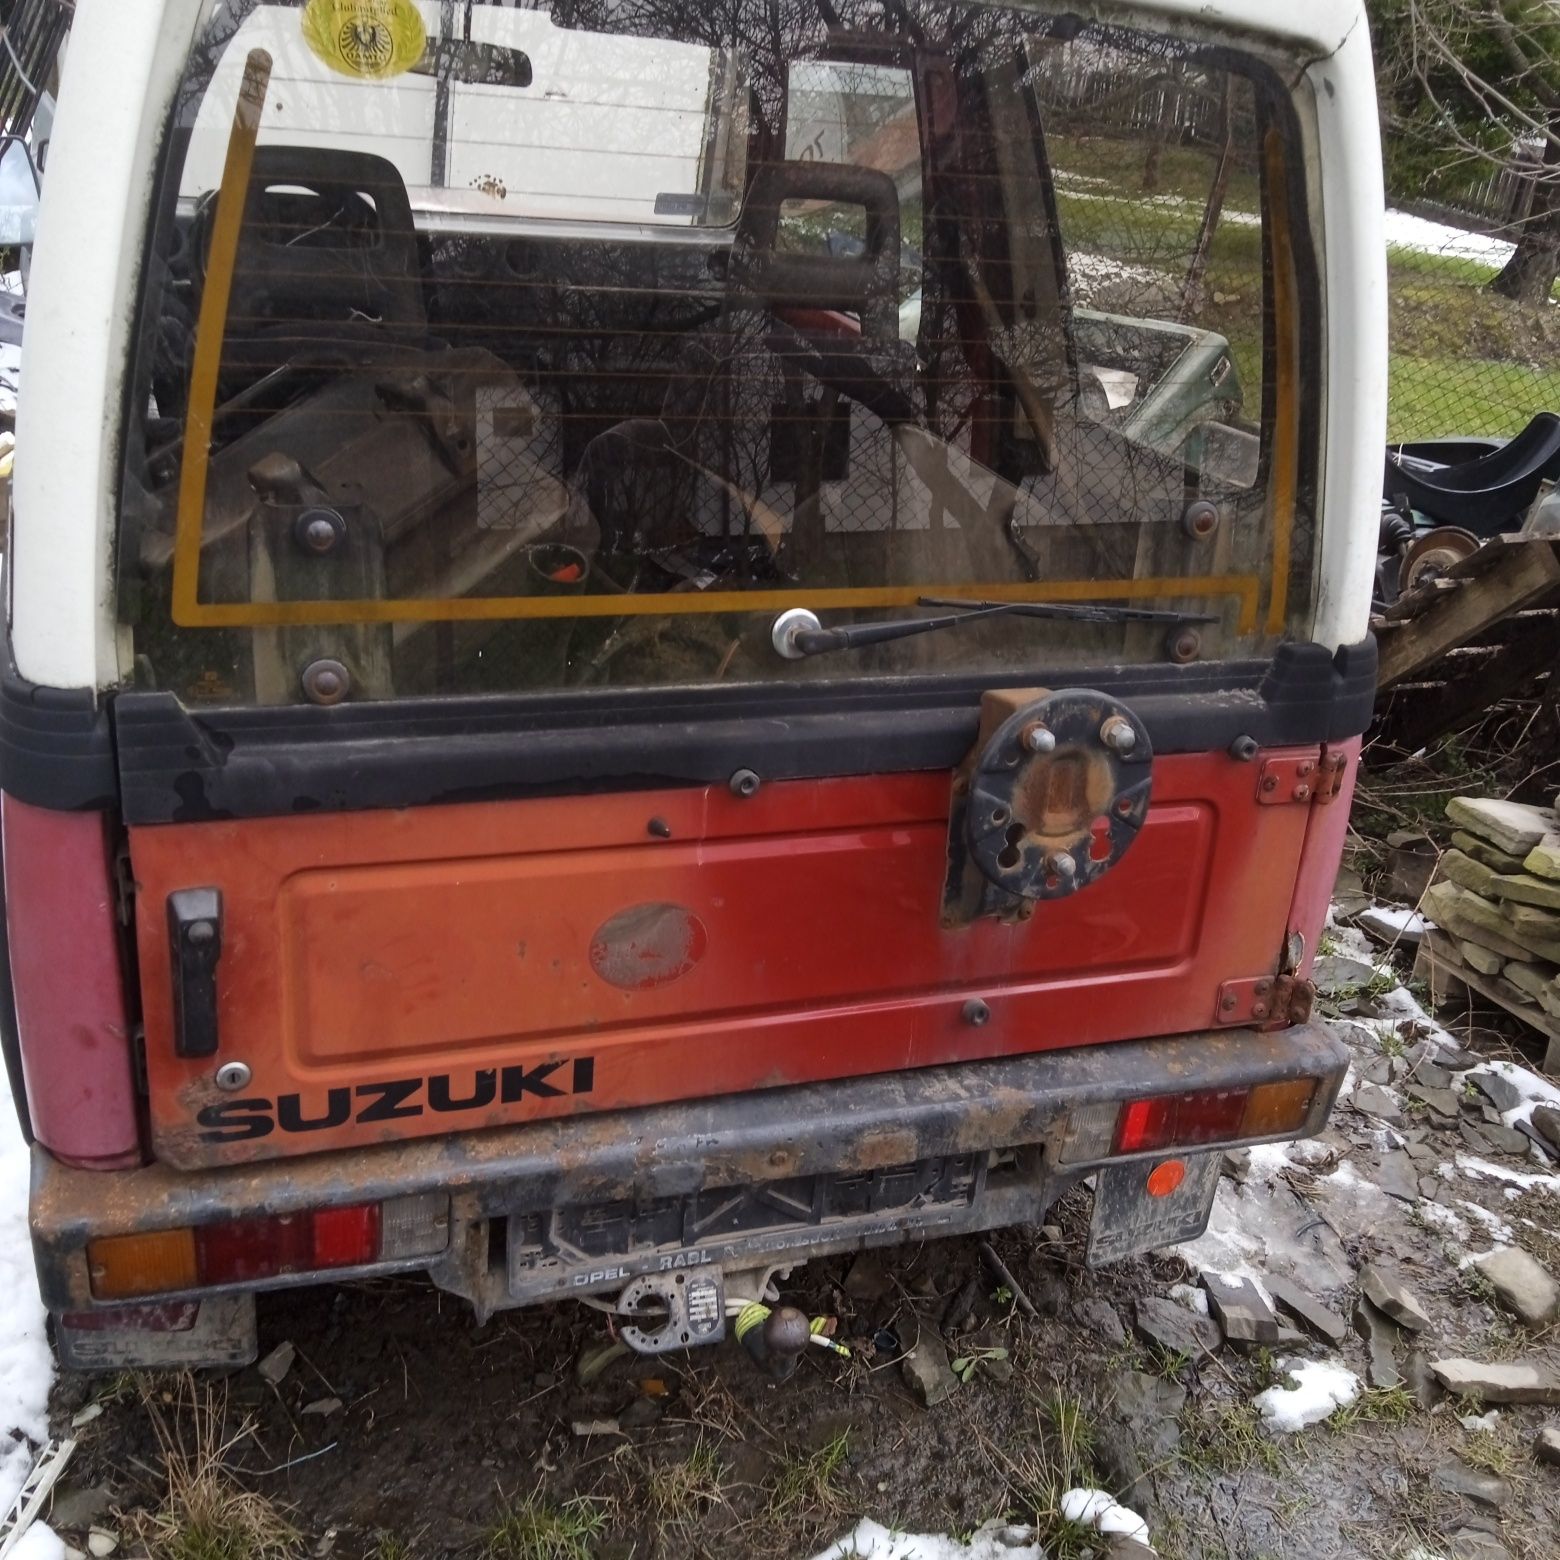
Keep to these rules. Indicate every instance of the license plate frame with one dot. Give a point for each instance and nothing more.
(1128, 1220)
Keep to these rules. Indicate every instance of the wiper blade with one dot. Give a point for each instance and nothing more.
(797, 633)
(1096, 612)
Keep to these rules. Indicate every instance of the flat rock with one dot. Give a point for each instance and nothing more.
(1101, 1320)
(1542, 1144)
(1530, 979)
(1470, 1543)
(275, 1366)
(1529, 920)
(1498, 1089)
(1485, 960)
(1442, 1101)
(1546, 1445)
(1336, 973)
(1397, 1177)
(1479, 920)
(1240, 1309)
(926, 1369)
(1420, 1380)
(1465, 872)
(1151, 1407)
(1376, 1102)
(1481, 850)
(1301, 1304)
(1488, 1489)
(1498, 1381)
(1175, 1329)
(1514, 827)
(1455, 1059)
(1393, 1298)
(1431, 1076)
(1506, 1140)
(868, 1278)
(1546, 1123)
(1380, 1335)
(1389, 927)
(1543, 859)
(1525, 889)
(1522, 1284)
(75, 1509)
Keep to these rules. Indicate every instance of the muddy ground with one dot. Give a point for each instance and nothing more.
(454, 1438)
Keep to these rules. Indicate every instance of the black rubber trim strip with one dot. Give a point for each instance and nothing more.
(56, 745)
(728, 1140)
(182, 765)
(10, 1034)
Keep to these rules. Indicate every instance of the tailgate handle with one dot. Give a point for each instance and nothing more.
(195, 939)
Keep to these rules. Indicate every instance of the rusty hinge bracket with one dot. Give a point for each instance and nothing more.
(1269, 1001)
(1310, 781)
(1330, 770)
(1284, 781)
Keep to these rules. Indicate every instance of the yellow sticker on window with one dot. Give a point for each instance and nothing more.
(368, 38)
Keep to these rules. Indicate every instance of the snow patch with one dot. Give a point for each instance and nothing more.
(870, 1540)
(26, 1365)
(1190, 1295)
(1435, 238)
(1320, 1387)
(1102, 1512)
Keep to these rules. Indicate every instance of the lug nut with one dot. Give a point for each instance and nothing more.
(1060, 864)
(1117, 734)
(1243, 749)
(1039, 739)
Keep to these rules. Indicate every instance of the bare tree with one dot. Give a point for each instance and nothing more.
(1467, 84)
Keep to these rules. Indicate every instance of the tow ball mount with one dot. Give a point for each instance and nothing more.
(673, 1310)
(1048, 800)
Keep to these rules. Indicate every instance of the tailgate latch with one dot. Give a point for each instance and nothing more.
(195, 942)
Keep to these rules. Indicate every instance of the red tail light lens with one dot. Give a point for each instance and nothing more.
(1146, 1124)
(1104, 1129)
(240, 1251)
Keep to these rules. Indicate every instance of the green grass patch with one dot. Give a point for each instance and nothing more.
(537, 1529)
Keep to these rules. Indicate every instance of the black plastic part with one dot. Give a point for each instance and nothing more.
(195, 946)
(56, 745)
(179, 765)
(1486, 493)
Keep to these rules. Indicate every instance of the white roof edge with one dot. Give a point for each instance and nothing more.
(1316, 28)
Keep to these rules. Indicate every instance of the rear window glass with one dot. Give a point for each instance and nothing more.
(494, 348)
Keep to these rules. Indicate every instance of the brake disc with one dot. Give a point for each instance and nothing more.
(1432, 554)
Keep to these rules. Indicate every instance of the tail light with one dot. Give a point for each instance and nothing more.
(1198, 1117)
(240, 1251)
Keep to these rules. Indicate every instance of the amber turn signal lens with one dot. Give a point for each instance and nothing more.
(1164, 1178)
(1277, 1107)
(123, 1266)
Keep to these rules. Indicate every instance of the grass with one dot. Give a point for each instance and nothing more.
(1463, 360)
(681, 1492)
(536, 1529)
(807, 1487)
(1060, 1459)
(1375, 1406)
(1223, 1438)
(204, 1513)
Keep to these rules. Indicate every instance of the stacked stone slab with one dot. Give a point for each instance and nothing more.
(1496, 892)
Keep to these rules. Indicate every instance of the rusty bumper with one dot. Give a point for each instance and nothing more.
(999, 1119)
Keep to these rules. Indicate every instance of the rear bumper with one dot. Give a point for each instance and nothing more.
(590, 1200)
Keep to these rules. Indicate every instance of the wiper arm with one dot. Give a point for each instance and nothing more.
(797, 633)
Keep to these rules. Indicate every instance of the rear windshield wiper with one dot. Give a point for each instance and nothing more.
(797, 632)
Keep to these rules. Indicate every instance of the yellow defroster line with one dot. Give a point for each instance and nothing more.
(1286, 363)
(1246, 588)
(232, 197)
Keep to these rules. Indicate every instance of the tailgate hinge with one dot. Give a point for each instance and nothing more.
(1268, 1001)
(1311, 781)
